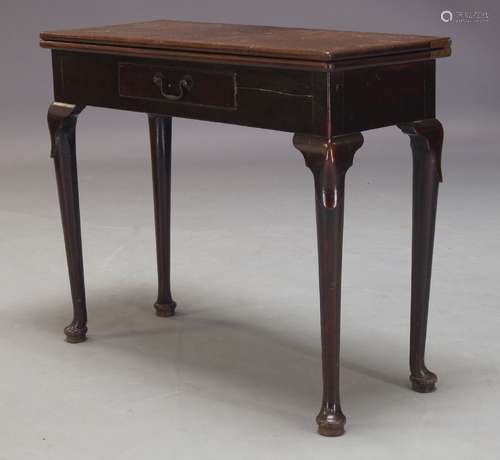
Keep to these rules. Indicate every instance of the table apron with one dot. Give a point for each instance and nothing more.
(324, 103)
(284, 100)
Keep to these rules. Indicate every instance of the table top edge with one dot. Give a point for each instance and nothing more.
(308, 49)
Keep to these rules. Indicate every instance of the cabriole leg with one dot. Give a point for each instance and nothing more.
(62, 123)
(329, 160)
(426, 138)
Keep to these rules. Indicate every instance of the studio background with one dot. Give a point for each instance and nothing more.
(237, 372)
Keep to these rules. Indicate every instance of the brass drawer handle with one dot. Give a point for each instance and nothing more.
(185, 84)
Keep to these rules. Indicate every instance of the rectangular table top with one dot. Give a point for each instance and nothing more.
(246, 40)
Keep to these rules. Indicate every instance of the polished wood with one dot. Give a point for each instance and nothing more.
(326, 87)
(243, 40)
(160, 132)
(426, 139)
(62, 122)
(286, 100)
(382, 95)
(199, 88)
(329, 159)
(322, 103)
(410, 56)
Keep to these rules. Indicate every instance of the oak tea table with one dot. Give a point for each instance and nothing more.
(325, 86)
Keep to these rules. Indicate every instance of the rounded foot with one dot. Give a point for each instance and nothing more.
(75, 333)
(424, 383)
(165, 310)
(330, 424)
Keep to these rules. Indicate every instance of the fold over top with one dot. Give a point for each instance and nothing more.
(247, 40)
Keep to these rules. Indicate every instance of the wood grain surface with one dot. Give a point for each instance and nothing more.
(248, 40)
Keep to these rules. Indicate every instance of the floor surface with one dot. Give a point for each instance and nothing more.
(236, 373)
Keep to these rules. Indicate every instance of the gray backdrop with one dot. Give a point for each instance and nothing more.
(238, 370)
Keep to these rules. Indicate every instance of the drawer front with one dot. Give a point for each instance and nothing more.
(177, 85)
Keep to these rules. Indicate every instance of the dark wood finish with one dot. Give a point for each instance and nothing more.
(310, 102)
(250, 96)
(249, 40)
(329, 160)
(62, 122)
(162, 83)
(426, 138)
(324, 86)
(382, 95)
(269, 62)
(160, 132)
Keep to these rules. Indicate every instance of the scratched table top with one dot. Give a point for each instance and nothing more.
(248, 40)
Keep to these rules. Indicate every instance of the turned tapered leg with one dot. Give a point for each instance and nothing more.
(426, 138)
(62, 123)
(160, 131)
(329, 160)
